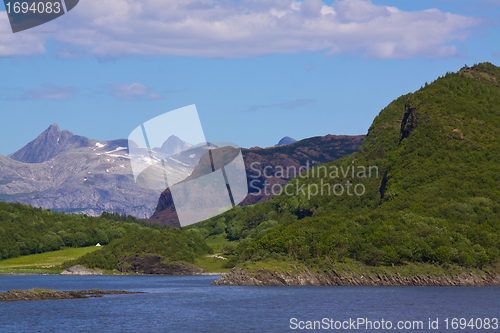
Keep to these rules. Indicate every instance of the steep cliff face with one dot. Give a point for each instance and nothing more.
(239, 277)
(410, 121)
(165, 212)
(267, 168)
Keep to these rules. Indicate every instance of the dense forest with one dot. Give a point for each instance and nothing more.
(435, 197)
(172, 243)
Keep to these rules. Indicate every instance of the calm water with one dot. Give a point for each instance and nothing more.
(191, 304)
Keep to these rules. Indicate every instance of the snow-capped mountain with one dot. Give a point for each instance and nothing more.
(65, 172)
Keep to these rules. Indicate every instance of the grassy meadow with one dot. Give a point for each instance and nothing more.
(47, 262)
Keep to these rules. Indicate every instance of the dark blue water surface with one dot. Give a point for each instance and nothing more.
(191, 304)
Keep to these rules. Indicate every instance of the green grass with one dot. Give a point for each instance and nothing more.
(40, 291)
(218, 242)
(211, 265)
(215, 265)
(33, 263)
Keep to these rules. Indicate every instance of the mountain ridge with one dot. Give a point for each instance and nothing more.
(75, 174)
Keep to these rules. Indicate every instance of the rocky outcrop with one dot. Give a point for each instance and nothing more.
(42, 294)
(411, 120)
(81, 270)
(155, 264)
(239, 277)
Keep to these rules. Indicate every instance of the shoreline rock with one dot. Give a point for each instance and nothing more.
(239, 277)
(43, 294)
(81, 270)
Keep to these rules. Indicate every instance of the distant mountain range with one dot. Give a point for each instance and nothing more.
(70, 173)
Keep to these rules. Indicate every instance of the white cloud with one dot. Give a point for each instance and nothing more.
(129, 92)
(245, 28)
(46, 91)
(18, 44)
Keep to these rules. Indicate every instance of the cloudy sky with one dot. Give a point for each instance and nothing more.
(257, 70)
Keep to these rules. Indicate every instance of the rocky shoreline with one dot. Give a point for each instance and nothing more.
(43, 294)
(239, 277)
(81, 270)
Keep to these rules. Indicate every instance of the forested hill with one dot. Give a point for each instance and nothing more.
(435, 197)
(27, 230)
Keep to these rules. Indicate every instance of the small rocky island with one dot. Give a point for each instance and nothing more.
(43, 294)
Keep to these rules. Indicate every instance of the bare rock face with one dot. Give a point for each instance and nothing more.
(239, 277)
(81, 270)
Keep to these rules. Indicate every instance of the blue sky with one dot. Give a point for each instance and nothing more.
(257, 70)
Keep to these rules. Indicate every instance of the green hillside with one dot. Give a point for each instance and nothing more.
(172, 243)
(26, 230)
(432, 195)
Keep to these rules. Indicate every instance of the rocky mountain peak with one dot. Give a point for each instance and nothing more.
(47, 145)
(286, 141)
(53, 128)
(173, 145)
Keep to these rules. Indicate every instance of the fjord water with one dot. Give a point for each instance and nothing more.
(191, 304)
